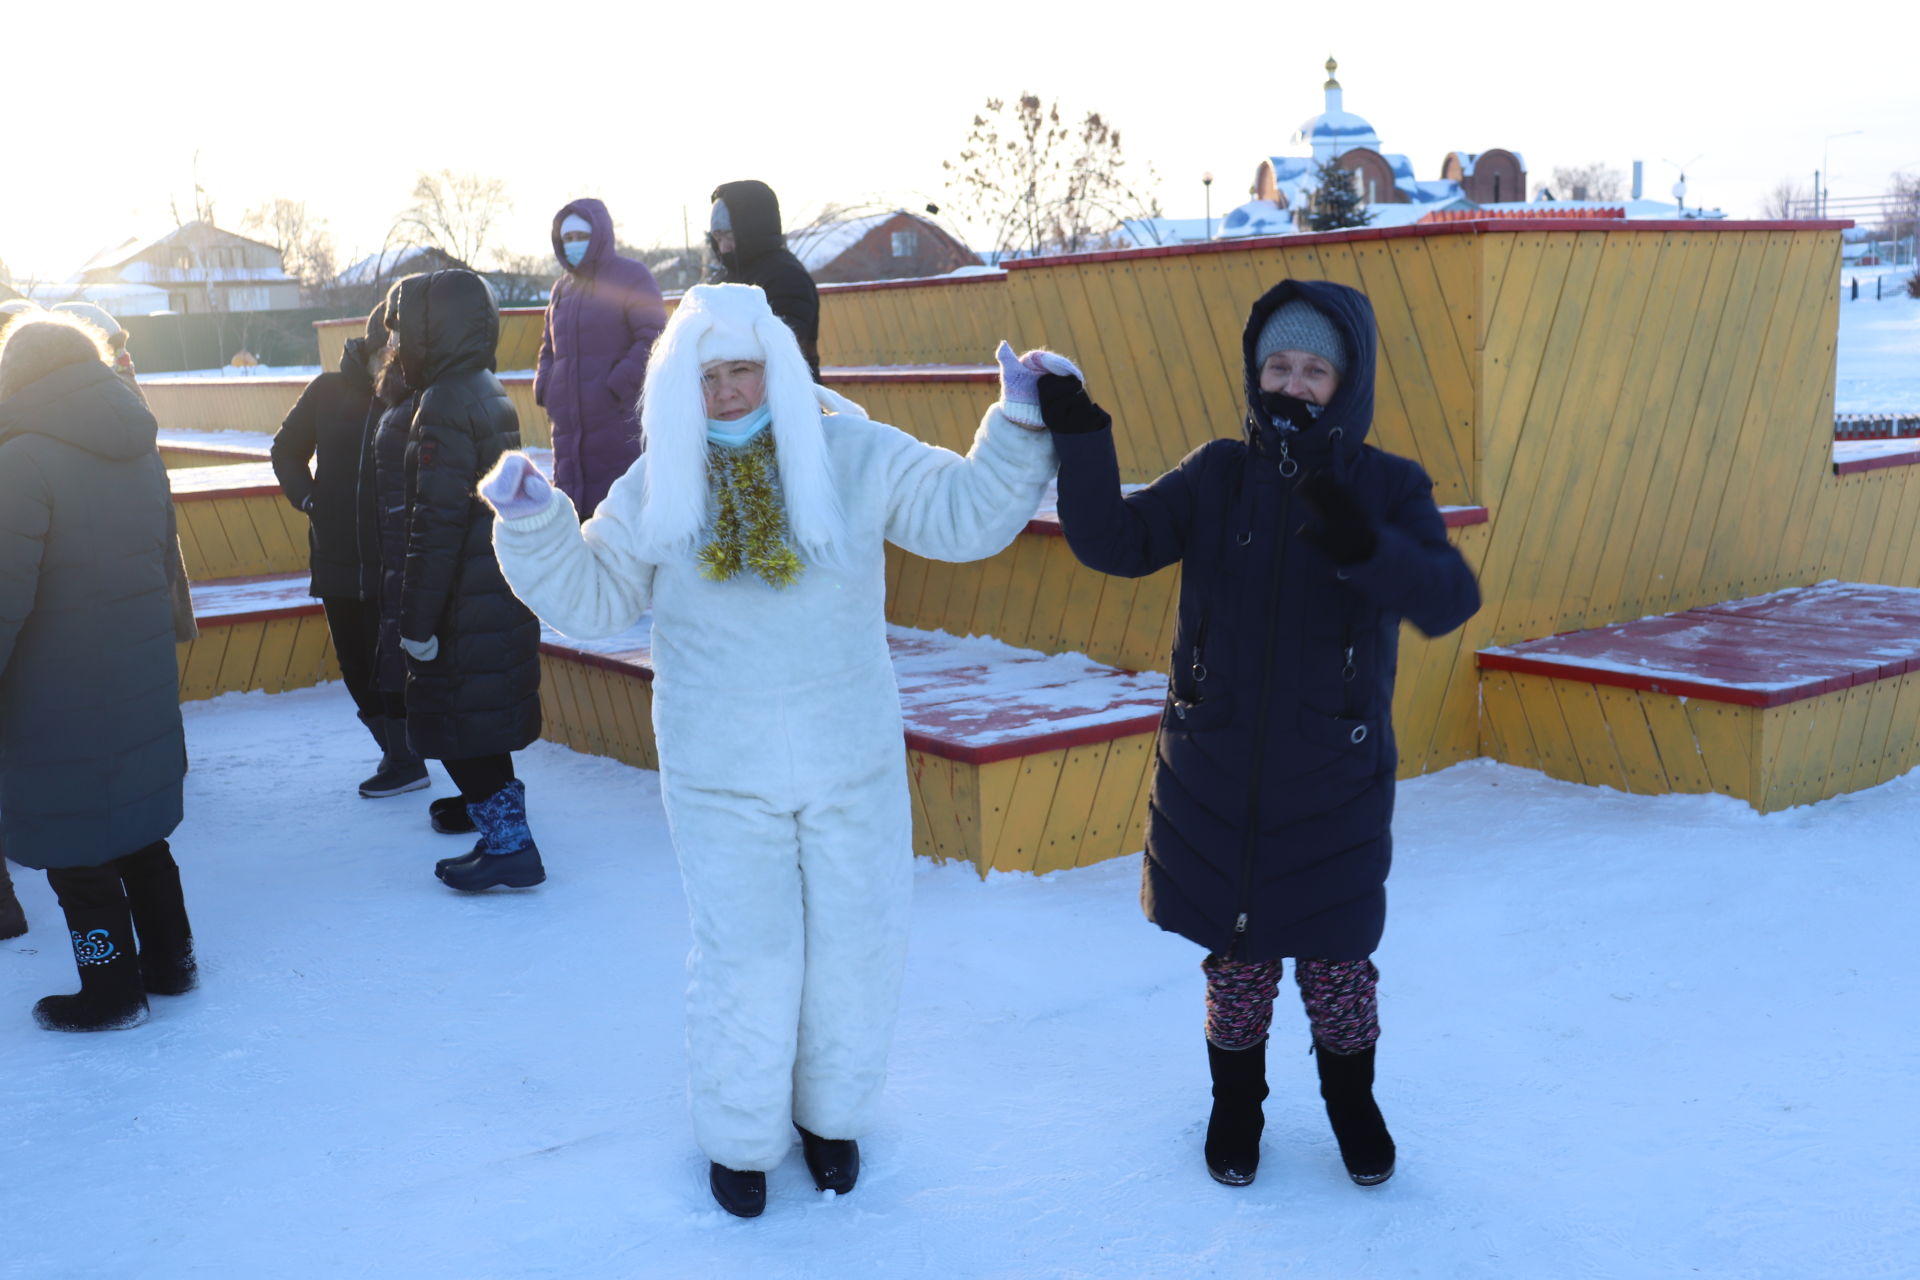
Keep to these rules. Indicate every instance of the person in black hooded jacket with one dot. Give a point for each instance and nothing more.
(1301, 549)
(745, 236)
(323, 457)
(452, 634)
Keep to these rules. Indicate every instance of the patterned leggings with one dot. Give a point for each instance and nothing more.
(1339, 995)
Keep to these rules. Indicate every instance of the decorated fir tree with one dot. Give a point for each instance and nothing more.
(1336, 201)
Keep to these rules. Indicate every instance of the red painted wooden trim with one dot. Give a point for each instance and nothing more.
(251, 491)
(868, 286)
(1033, 746)
(1877, 463)
(1627, 680)
(606, 662)
(910, 373)
(259, 615)
(232, 453)
(1483, 226)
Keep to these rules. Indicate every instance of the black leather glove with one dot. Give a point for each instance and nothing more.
(1346, 531)
(1066, 408)
(1284, 408)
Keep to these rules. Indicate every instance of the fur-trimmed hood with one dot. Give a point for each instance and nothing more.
(733, 321)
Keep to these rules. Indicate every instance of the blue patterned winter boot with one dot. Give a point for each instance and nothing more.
(111, 994)
(506, 855)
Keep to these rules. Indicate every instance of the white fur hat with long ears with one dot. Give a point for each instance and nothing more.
(717, 322)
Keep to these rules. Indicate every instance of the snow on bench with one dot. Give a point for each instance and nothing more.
(229, 601)
(969, 699)
(1763, 651)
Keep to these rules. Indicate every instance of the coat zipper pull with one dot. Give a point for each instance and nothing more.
(1240, 925)
(1288, 467)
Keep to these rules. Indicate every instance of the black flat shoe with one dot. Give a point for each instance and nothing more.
(741, 1192)
(833, 1162)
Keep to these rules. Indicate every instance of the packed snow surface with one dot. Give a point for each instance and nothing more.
(1625, 1037)
(1879, 354)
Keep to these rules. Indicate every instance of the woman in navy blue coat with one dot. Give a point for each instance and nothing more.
(1269, 829)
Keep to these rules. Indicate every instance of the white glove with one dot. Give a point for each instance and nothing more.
(422, 650)
(515, 487)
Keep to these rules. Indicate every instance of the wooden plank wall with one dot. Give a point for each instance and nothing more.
(240, 535)
(286, 651)
(222, 404)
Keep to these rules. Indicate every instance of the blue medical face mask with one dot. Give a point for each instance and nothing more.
(575, 250)
(740, 430)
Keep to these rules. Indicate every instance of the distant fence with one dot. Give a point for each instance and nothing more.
(172, 343)
(1875, 426)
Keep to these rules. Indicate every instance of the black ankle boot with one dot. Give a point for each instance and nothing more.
(833, 1162)
(111, 995)
(152, 880)
(448, 815)
(741, 1192)
(401, 769)
(1346, 1083)
(1233, 1131)
(13, 920)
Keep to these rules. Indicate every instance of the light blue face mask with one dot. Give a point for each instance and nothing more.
(740, 430)
(575, 250)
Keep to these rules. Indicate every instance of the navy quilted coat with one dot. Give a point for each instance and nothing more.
(1268, 833)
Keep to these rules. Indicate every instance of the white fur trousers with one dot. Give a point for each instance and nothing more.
(799, 885)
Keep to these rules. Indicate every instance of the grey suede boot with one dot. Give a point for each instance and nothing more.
(401, 770)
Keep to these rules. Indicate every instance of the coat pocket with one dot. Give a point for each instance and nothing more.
(1349, 743)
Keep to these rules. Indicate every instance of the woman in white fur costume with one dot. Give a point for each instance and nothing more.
(754, 527)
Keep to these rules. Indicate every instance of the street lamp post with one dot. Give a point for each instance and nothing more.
(1826, 176)
(1206, 181)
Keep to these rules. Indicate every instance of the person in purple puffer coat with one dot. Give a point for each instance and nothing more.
(605, 313)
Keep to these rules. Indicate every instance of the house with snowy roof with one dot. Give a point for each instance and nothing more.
(891, 245)
(193, 269)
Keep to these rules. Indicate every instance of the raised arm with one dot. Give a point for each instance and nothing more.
(1130, 535)
(585, 582)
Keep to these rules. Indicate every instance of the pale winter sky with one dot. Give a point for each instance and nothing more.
(649, 105)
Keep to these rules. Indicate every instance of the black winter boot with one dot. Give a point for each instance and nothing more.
(159, 911)
(741, 1192)
(1233, 1131)
(13, 920)
(1346, 1082)
(111, 995)
(401, 770)
(833, 1162)
(449, 816)
(506, 855)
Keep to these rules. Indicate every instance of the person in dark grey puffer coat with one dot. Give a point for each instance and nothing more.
(323, 457)
(600, 327)
(1269, 823)
(92, 752)
(469, 649)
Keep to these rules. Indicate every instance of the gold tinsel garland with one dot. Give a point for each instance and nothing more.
(749, 524)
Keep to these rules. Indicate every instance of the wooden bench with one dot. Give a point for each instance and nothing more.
(235, 523)
(262, 633)
(1781, 699)
(213, 448)
(1018, 761)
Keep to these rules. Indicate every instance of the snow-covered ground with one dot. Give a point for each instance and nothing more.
(1879, 353)
(1625, 1037)
(237, 371)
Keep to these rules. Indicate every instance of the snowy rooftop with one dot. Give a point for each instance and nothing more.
(819, 245)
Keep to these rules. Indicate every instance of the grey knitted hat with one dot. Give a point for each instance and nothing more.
(1301, 326)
